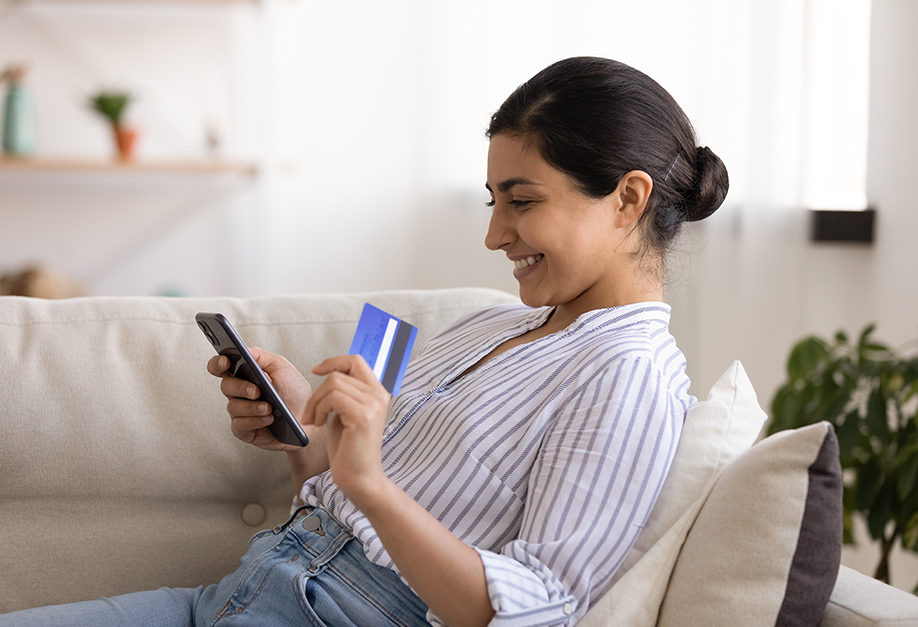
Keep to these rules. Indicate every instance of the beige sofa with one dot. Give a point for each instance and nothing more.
(118, 471)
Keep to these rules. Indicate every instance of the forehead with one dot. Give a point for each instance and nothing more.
(516, 161)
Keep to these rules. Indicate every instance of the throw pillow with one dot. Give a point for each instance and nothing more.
(716, 431)
(766, 547)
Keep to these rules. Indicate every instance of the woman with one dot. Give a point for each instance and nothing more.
(513, 473)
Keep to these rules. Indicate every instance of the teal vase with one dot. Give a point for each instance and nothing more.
(19, 122)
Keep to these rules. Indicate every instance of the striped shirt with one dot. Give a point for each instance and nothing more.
(546, 459)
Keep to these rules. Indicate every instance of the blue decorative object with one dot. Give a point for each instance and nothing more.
(19, 135)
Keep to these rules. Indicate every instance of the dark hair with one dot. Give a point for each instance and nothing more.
(596, 120)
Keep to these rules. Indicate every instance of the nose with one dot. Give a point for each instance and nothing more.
(500, 232)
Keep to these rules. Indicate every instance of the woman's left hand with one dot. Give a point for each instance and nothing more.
(354, 404)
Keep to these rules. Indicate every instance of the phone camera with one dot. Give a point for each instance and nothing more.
(208, 332)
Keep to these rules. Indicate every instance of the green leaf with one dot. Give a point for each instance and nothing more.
(847, 528)
(870, 478)
(849, 436)
(806, 357)
(782, 410)
(910, 537)
(877, 421)
(110, 104)
(907, 475)
(832, 405)
(881, 512)
(865, 334)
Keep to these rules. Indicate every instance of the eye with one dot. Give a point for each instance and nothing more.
(519, 203)
(516, 204)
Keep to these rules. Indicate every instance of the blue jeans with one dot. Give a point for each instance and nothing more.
(309, 571)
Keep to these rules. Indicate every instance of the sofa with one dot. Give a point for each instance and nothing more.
(118, 471)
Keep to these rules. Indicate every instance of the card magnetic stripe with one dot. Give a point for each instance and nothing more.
(398, 357)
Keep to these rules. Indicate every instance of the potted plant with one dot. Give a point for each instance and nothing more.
(112, 105)
(869, 392)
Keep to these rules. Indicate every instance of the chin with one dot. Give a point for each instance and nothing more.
(534, 301)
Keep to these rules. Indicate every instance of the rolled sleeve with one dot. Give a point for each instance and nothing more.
(525, 593)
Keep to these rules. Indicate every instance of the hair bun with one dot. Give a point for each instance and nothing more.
(711, 185)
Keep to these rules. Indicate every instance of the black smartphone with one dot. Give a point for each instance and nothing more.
(227, 342)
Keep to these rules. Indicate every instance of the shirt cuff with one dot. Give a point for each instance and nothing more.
(525, 595)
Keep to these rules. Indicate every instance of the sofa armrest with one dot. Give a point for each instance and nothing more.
(861, 601)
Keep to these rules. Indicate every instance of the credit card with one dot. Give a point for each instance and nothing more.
(386, 343)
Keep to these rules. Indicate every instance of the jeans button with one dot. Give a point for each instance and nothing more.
(312, 523)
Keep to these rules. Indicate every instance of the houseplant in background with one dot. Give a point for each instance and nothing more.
(869, 392)
(112, 105)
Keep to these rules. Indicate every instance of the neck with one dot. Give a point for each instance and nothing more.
(565, 314)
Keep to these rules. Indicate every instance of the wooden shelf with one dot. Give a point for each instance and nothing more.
(78, 2)
(48, 164)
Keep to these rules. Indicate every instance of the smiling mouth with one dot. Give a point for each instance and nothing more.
(527, 261)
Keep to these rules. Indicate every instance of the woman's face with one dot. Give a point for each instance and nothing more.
(569, 250)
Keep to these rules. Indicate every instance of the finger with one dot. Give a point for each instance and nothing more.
(233, 387)
(349, 399)
(218, 365)
(322, 402)
(237, 407)
(254, 431)
(245, 424)
(334, 404)
(353, 365)
(269, 362)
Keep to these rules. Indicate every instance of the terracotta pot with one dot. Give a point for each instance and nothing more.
(126, 139)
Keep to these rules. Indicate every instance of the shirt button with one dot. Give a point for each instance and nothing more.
(568, 609)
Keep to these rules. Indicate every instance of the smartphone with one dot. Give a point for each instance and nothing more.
(226, 341)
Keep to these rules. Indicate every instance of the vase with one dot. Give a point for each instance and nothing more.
(19, 136)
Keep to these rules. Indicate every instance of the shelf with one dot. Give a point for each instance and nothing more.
(45, 164)
(79, 2)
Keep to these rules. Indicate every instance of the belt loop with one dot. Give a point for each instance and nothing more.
(281, 528)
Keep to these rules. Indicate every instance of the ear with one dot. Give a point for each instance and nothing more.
(631, 197)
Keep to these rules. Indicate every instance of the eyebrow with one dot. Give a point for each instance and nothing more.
(507, 185)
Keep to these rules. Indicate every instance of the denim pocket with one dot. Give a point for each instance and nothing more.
(305, 594)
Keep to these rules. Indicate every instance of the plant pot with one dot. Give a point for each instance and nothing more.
(126, 140)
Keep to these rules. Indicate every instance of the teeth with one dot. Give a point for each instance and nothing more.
(528, 261)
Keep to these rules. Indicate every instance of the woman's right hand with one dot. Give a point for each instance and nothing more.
(250, 417)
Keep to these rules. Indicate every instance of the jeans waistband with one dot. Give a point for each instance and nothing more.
(318, 531)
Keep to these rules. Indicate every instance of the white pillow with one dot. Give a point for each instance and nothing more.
(716, 432)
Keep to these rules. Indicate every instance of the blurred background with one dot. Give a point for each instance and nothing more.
(300, 146)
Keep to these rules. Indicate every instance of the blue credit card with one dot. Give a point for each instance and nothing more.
(386, 343)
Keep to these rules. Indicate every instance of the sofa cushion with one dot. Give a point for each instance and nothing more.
(716, 431)
(765, 548)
